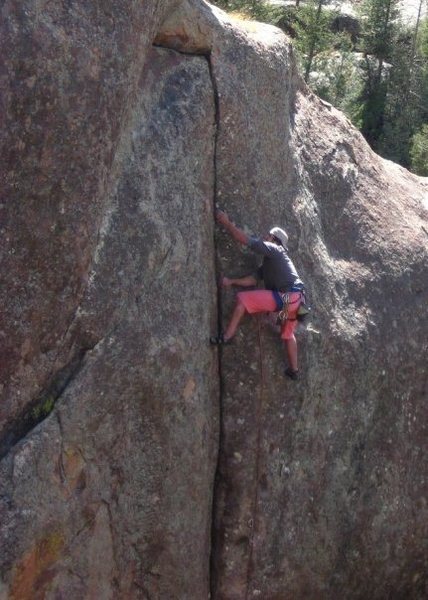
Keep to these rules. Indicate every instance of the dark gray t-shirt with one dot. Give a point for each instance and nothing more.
(277, 271)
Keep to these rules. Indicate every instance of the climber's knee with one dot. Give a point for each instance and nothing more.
(240, 307)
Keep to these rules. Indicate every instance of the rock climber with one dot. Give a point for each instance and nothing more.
(279, 276)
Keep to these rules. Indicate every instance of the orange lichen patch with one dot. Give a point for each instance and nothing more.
(189, 388)
(184, 32)
(34, 572)
(71, 470)
(73, 464)
(176, 39)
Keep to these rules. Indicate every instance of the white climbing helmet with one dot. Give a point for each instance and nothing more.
(280, 235)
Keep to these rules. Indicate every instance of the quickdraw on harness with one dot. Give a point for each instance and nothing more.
(283, 303)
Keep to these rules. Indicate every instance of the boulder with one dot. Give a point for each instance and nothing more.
(116, 413)
(348, 24)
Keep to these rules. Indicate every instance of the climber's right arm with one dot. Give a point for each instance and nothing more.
(237, 234)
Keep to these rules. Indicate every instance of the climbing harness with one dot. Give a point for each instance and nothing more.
(283, 304)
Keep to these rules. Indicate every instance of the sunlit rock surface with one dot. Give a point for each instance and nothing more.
(115, 153)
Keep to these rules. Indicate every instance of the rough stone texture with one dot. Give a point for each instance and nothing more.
(110, 496)
(321, 485)
(68, 74)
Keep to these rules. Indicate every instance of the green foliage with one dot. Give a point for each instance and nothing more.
(371, 113)
(378, 77)
(337, 77)
(407, 99)
(379, 18)
(398, 113)
(43, 409)
(313, 32)
(419, 151)
(379, 36)
(423, 39)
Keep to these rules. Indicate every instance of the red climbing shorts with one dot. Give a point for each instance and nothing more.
(258, 301)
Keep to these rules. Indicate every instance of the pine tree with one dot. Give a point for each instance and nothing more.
(419, 151)
(313, 32)
(379, 36)
(407, 98)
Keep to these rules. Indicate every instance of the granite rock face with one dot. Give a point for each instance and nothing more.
(69, 76)
(110, 495)
(115, 153)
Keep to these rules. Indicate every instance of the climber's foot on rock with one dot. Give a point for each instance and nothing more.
(219, 340)
(291, 373)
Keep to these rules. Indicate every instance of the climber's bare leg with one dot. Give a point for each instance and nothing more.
(291, 351)
(238, 313)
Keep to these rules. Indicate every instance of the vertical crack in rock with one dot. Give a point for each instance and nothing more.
(255, 492)
(219, 312)
(206, 54)
(253, 521)
(216, 489)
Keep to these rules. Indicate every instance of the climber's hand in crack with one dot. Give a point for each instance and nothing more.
(222, 217)
(237, 234)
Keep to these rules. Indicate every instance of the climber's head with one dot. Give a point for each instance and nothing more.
(279, 236)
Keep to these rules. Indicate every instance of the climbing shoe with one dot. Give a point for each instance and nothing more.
(218, 340)
(294, 375)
